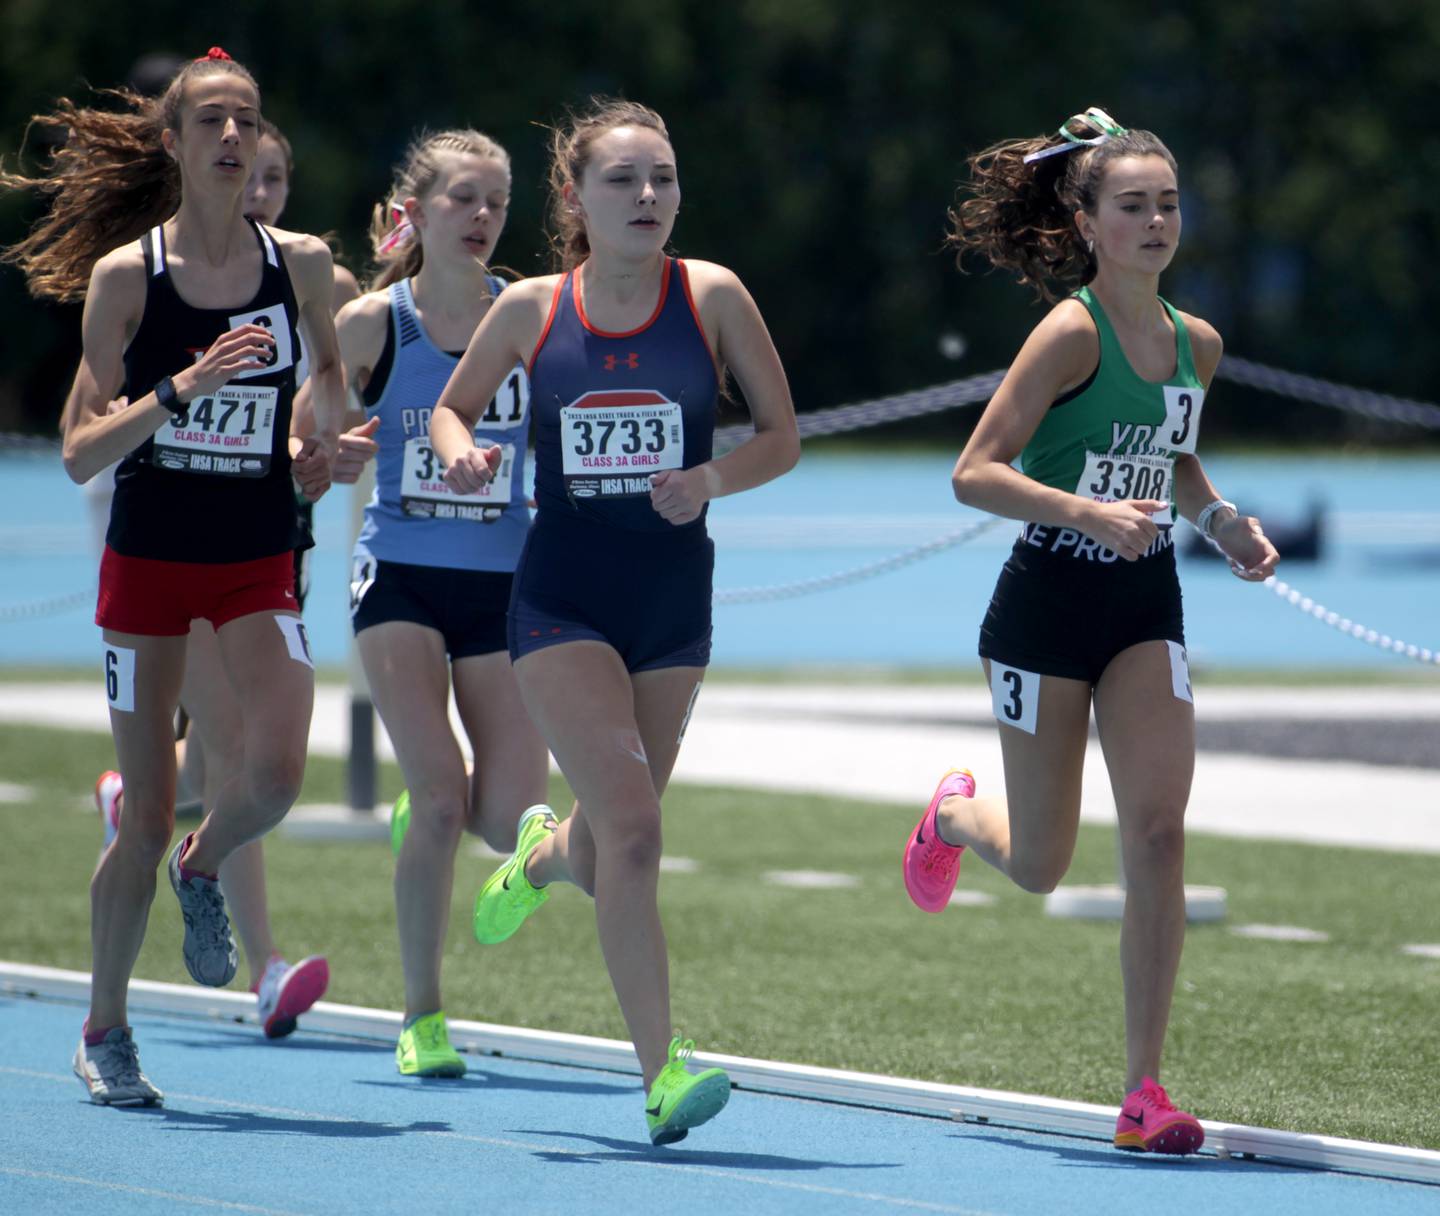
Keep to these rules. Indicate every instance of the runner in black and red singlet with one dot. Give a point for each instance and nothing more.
(193, 315)
(210, 749)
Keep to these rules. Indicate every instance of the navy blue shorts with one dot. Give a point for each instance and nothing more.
(1058, 614)
(646, 594)
(466, 607)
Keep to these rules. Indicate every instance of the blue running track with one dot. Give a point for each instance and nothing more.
(323, 1124)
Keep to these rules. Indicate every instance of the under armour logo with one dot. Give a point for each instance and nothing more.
(632, 361)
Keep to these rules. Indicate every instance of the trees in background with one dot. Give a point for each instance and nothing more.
(820, 142)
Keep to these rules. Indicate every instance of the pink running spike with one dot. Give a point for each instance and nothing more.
(931, 866)
(108, 790)
(1149, 1123)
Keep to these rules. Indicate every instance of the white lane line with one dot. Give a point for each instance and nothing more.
(971, 899)
(148, 1192)
(1280, 933)
(678, 865)
(530, 1147)
(1421, 951)
(10, 792)
(811, 879)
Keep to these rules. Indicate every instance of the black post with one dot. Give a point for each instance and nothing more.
(360, 770)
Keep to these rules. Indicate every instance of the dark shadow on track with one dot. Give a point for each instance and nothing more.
(254, 1038)
(1115, 1159)
(252, 1123)
(480, 1079)
(627, 1150)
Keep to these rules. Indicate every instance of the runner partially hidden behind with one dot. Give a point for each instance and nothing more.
(193, 315)
(609, 624)
(1102, 408)
(432, 569)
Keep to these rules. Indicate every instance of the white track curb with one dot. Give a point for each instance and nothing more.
(956, 1102)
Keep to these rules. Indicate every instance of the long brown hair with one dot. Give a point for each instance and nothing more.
(1021, 217)
(570, 153)
(109, 182)
(395, 244)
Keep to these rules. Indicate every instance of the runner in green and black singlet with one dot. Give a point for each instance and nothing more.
(1102, 409)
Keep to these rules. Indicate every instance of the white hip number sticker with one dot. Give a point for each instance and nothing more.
(297, 641)
(1016, 696)
(1180, 673)
(120, 678)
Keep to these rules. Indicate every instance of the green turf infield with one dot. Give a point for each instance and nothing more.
(1336, 1037)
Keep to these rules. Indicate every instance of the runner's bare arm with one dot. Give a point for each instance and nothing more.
(742, 344)
(313, 272)
(1241, 538)
(506, 336)
(95, 433)
(360, 335)
(1057, 356)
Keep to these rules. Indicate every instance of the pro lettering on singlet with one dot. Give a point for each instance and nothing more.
(1116, 438)
(413, 516)
(612, 409)
(213, 483)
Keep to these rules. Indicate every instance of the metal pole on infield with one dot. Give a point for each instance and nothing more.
(360, 768)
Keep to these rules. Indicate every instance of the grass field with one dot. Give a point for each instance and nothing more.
(1337, 1038)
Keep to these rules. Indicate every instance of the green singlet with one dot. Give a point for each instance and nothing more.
(1117, 436)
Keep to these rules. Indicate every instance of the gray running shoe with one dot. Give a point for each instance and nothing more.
(111, 1072)
(210, 954)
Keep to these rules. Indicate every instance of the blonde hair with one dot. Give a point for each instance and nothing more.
(394, 243)
(569, 154)
(109, 182)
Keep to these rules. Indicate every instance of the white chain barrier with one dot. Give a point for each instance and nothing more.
(50, 606)
(1323, 392)
(828, 582)
(972, 390)
(1345, 625)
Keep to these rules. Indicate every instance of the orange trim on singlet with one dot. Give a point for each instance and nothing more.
(695, 312)
(629, 333)
(549, 321)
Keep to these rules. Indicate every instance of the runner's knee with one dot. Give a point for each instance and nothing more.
(274, 784)
(632, 841)
(1158, 843)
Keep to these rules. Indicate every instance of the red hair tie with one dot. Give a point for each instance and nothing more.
(216, 52)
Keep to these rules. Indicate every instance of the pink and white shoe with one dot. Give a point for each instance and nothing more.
(1149, 1123)
(286, 992)
(931, 866)
(109, 788)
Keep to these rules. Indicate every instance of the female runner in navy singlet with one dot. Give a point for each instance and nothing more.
(1102, 409)
(610, 616)
(191, 314)
(432, 571)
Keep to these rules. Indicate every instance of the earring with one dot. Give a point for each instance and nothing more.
(1090, 245)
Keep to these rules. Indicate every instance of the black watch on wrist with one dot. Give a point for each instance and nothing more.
(169, 399)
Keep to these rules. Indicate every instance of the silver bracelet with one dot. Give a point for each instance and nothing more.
(1207, 515)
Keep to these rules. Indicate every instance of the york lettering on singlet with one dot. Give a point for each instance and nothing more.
(612, 441)
(1141, 459)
